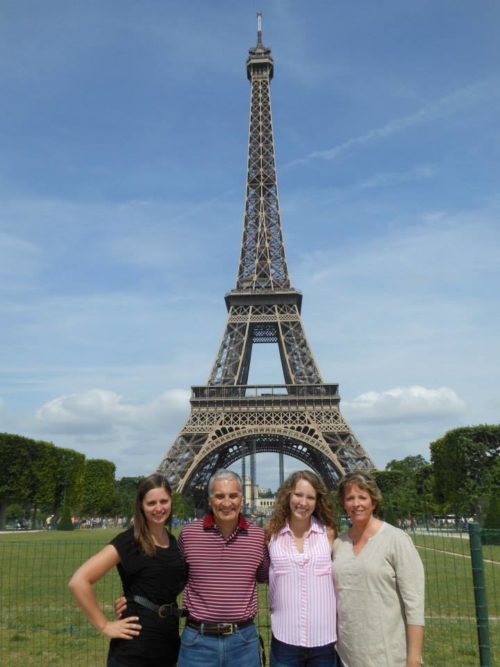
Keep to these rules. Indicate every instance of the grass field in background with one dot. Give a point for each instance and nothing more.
(41, 625)
(451, 635)
(39, 622)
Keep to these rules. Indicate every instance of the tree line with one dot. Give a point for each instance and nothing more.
(39, 479)
(461, 479)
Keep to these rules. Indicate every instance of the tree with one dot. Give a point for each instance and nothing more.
(28, 473)
(183, 506)
(465, 462)
(69, 478)
(15, 472)
(99, 487)
(493, 514)
(43, 474)
(125, 494)
(492, 520)
(404, 488)
(65, 522)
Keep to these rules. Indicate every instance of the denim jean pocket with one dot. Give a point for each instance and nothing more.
(248, 635)
(189, 637)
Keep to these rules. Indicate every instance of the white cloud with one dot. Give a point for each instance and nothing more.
(404, 404)
(100, 423)
(99, 412)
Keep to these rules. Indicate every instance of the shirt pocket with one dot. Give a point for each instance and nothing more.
(323, 566)
(281, 565)
(323, 572)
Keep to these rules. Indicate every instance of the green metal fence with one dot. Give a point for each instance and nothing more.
(40, 624)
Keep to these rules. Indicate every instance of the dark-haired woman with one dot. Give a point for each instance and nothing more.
(379, 580)
(302, 597)
(152, 572)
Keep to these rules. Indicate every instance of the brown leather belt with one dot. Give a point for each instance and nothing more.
(219, 629)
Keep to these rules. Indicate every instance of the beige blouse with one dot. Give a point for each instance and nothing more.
(379, 591)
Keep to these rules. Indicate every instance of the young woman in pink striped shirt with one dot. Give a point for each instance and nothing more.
(301, 532)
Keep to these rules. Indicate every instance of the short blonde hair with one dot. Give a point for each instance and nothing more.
(364, 481)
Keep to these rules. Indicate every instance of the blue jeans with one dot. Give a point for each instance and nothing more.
(238, 650)
(286, 655)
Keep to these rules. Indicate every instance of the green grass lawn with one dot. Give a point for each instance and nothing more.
(39, 622)
(451, 635)
(41, 625)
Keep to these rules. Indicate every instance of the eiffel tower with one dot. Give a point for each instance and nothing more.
(230, 419)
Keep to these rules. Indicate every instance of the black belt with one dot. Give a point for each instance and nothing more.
(220, 629)
(163, 610)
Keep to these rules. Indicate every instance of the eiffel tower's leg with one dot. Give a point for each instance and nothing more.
(263, 323)
(232, 363)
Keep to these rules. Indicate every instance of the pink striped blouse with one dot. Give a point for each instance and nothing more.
(303, 607)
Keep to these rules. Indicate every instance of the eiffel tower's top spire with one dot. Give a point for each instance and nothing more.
(259, 31)
(259, 58)
(262, 261)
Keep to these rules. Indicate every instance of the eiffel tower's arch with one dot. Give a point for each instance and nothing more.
(225, 449)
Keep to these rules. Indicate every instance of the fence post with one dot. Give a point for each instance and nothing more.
(478, 581)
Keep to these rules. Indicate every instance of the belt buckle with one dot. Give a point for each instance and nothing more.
(229, 629)
(164, 609)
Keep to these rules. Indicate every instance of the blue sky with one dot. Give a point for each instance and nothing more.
(123, 138)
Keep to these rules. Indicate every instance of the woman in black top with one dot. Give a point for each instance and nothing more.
(153, 573)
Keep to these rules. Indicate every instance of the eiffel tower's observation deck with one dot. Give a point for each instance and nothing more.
(229, 418)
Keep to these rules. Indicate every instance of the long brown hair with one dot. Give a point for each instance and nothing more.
(141, 531)
(323, 510)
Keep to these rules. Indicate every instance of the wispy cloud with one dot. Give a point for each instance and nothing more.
(440, 108)
(420, 251)
(100, 423)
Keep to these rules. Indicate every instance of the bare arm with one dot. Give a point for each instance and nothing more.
(415, 640)
(263, 569)
(81, 584)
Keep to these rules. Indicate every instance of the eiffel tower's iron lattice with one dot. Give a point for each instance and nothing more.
(230, 419)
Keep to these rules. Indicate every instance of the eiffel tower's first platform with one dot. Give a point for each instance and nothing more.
(230, 419)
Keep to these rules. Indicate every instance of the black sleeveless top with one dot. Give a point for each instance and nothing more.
(159, 578)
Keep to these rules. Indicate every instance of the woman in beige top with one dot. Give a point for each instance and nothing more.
(379, 582)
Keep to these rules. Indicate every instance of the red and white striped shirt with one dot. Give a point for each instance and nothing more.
(223, 572)
(301, 592)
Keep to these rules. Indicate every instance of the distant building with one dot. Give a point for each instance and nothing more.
(256, 500)
(264, 506)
